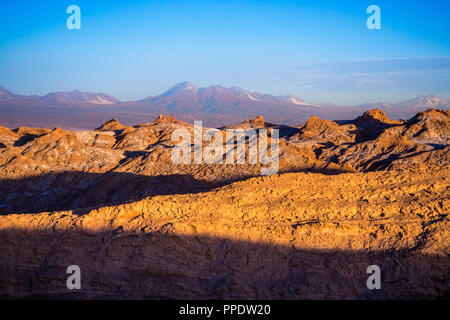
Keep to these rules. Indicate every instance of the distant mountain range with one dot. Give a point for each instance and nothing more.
(74, 97)
(185, 98)
(215, 105)
(430, 101)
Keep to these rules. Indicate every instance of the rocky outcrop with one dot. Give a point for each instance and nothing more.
(372, 123)
(7, 137)
(431, 126)
(111, 125)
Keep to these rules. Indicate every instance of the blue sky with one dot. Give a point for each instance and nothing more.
(318, 50)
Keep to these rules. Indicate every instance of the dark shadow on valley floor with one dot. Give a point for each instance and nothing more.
(75, 190)
(163, 265)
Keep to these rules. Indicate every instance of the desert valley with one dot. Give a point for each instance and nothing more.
(348, 194)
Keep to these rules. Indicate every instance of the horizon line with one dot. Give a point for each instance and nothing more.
(228, 88)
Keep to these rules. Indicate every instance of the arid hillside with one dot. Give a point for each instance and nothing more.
(349, 194)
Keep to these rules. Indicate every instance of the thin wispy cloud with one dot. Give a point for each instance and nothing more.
(394, 77)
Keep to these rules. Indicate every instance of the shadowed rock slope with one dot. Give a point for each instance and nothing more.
(296, 235)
